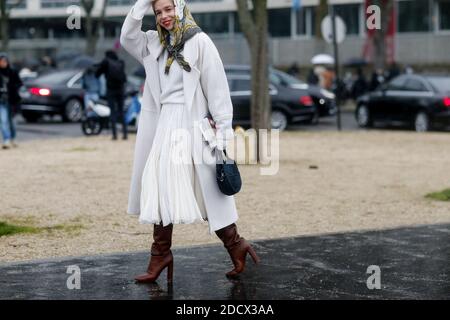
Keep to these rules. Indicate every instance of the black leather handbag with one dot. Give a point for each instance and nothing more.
(227, 173)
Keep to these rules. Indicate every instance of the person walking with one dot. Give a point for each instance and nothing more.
(10, 84)
(114, 70)
(185, 82)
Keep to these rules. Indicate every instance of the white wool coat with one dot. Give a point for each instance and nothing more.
(205, 90)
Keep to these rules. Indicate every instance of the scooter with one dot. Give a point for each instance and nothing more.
(97, 114)
(96, 117)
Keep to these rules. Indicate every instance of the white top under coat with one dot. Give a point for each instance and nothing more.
(171, 84)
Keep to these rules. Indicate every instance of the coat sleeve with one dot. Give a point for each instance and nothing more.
(144, 139)
(215, 87)
(133, 39)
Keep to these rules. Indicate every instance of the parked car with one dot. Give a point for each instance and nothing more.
(421, 101)
(59, 93)
(289, 105)
(323, 99)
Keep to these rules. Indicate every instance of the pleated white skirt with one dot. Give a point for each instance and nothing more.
(170, 190)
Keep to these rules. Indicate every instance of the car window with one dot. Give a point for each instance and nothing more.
(78, 83)
(441, 84)
(397, 84)
(242, 85)
(285, 78)
(275, 79)
(415, 85)
(55, 77)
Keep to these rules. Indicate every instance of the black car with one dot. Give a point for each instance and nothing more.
(323, 99)
(421, 101)
(58, 92)
(288, 105)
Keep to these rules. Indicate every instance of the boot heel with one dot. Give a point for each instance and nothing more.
(170, 272)
(253, 255)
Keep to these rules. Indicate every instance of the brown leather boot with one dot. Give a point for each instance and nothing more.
(161, 256)
(237, 248)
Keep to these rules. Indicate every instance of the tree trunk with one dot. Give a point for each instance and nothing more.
(90, 41)
(5, 31)
(379, 37)
(4, 21)
(321, 12)
(254, 26)
(88, 5)
(92, 34)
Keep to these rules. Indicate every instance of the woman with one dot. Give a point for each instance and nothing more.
(185, 83)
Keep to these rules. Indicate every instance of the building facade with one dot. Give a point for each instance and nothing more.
(422, 37)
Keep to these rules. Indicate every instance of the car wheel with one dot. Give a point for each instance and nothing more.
(73, 110)
(31, 117)
(363, 117)
(279, 120)
(422, 122)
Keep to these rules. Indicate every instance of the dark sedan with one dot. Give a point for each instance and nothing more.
(421, 101)
(61, 93)
(288, 105)
(55, 93)
(323, 99)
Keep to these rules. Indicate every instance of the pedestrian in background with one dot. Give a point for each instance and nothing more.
(377, 79)
(91, 86)
(360, 85)
(10, 84)
(114, 70)
(294, 70)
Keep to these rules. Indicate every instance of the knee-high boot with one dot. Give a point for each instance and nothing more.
(161, 256)
(237, 248)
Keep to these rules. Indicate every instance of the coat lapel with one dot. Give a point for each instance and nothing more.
(190, 79)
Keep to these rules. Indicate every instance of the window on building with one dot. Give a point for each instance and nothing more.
(58, 3)
(350, 14)
(305, 21)
(212, 22)
(414, 16)
(444, 15)
(119, 2)
(13, 4)
(27, 29)
(237, 26)
(302, 18)
(279, 22)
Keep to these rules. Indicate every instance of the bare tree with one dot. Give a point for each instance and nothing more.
(379, 37)
(253, 23)
(92, 34)
(5, 10)
(320, 12)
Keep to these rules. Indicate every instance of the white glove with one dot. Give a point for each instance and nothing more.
(224, 133)
(140, 8)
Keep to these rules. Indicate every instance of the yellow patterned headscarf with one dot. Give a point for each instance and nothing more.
(184, 28)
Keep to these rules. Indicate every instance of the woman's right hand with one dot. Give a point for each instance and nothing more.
(140, 8)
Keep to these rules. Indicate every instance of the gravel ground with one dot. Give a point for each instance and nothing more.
(363, 180)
